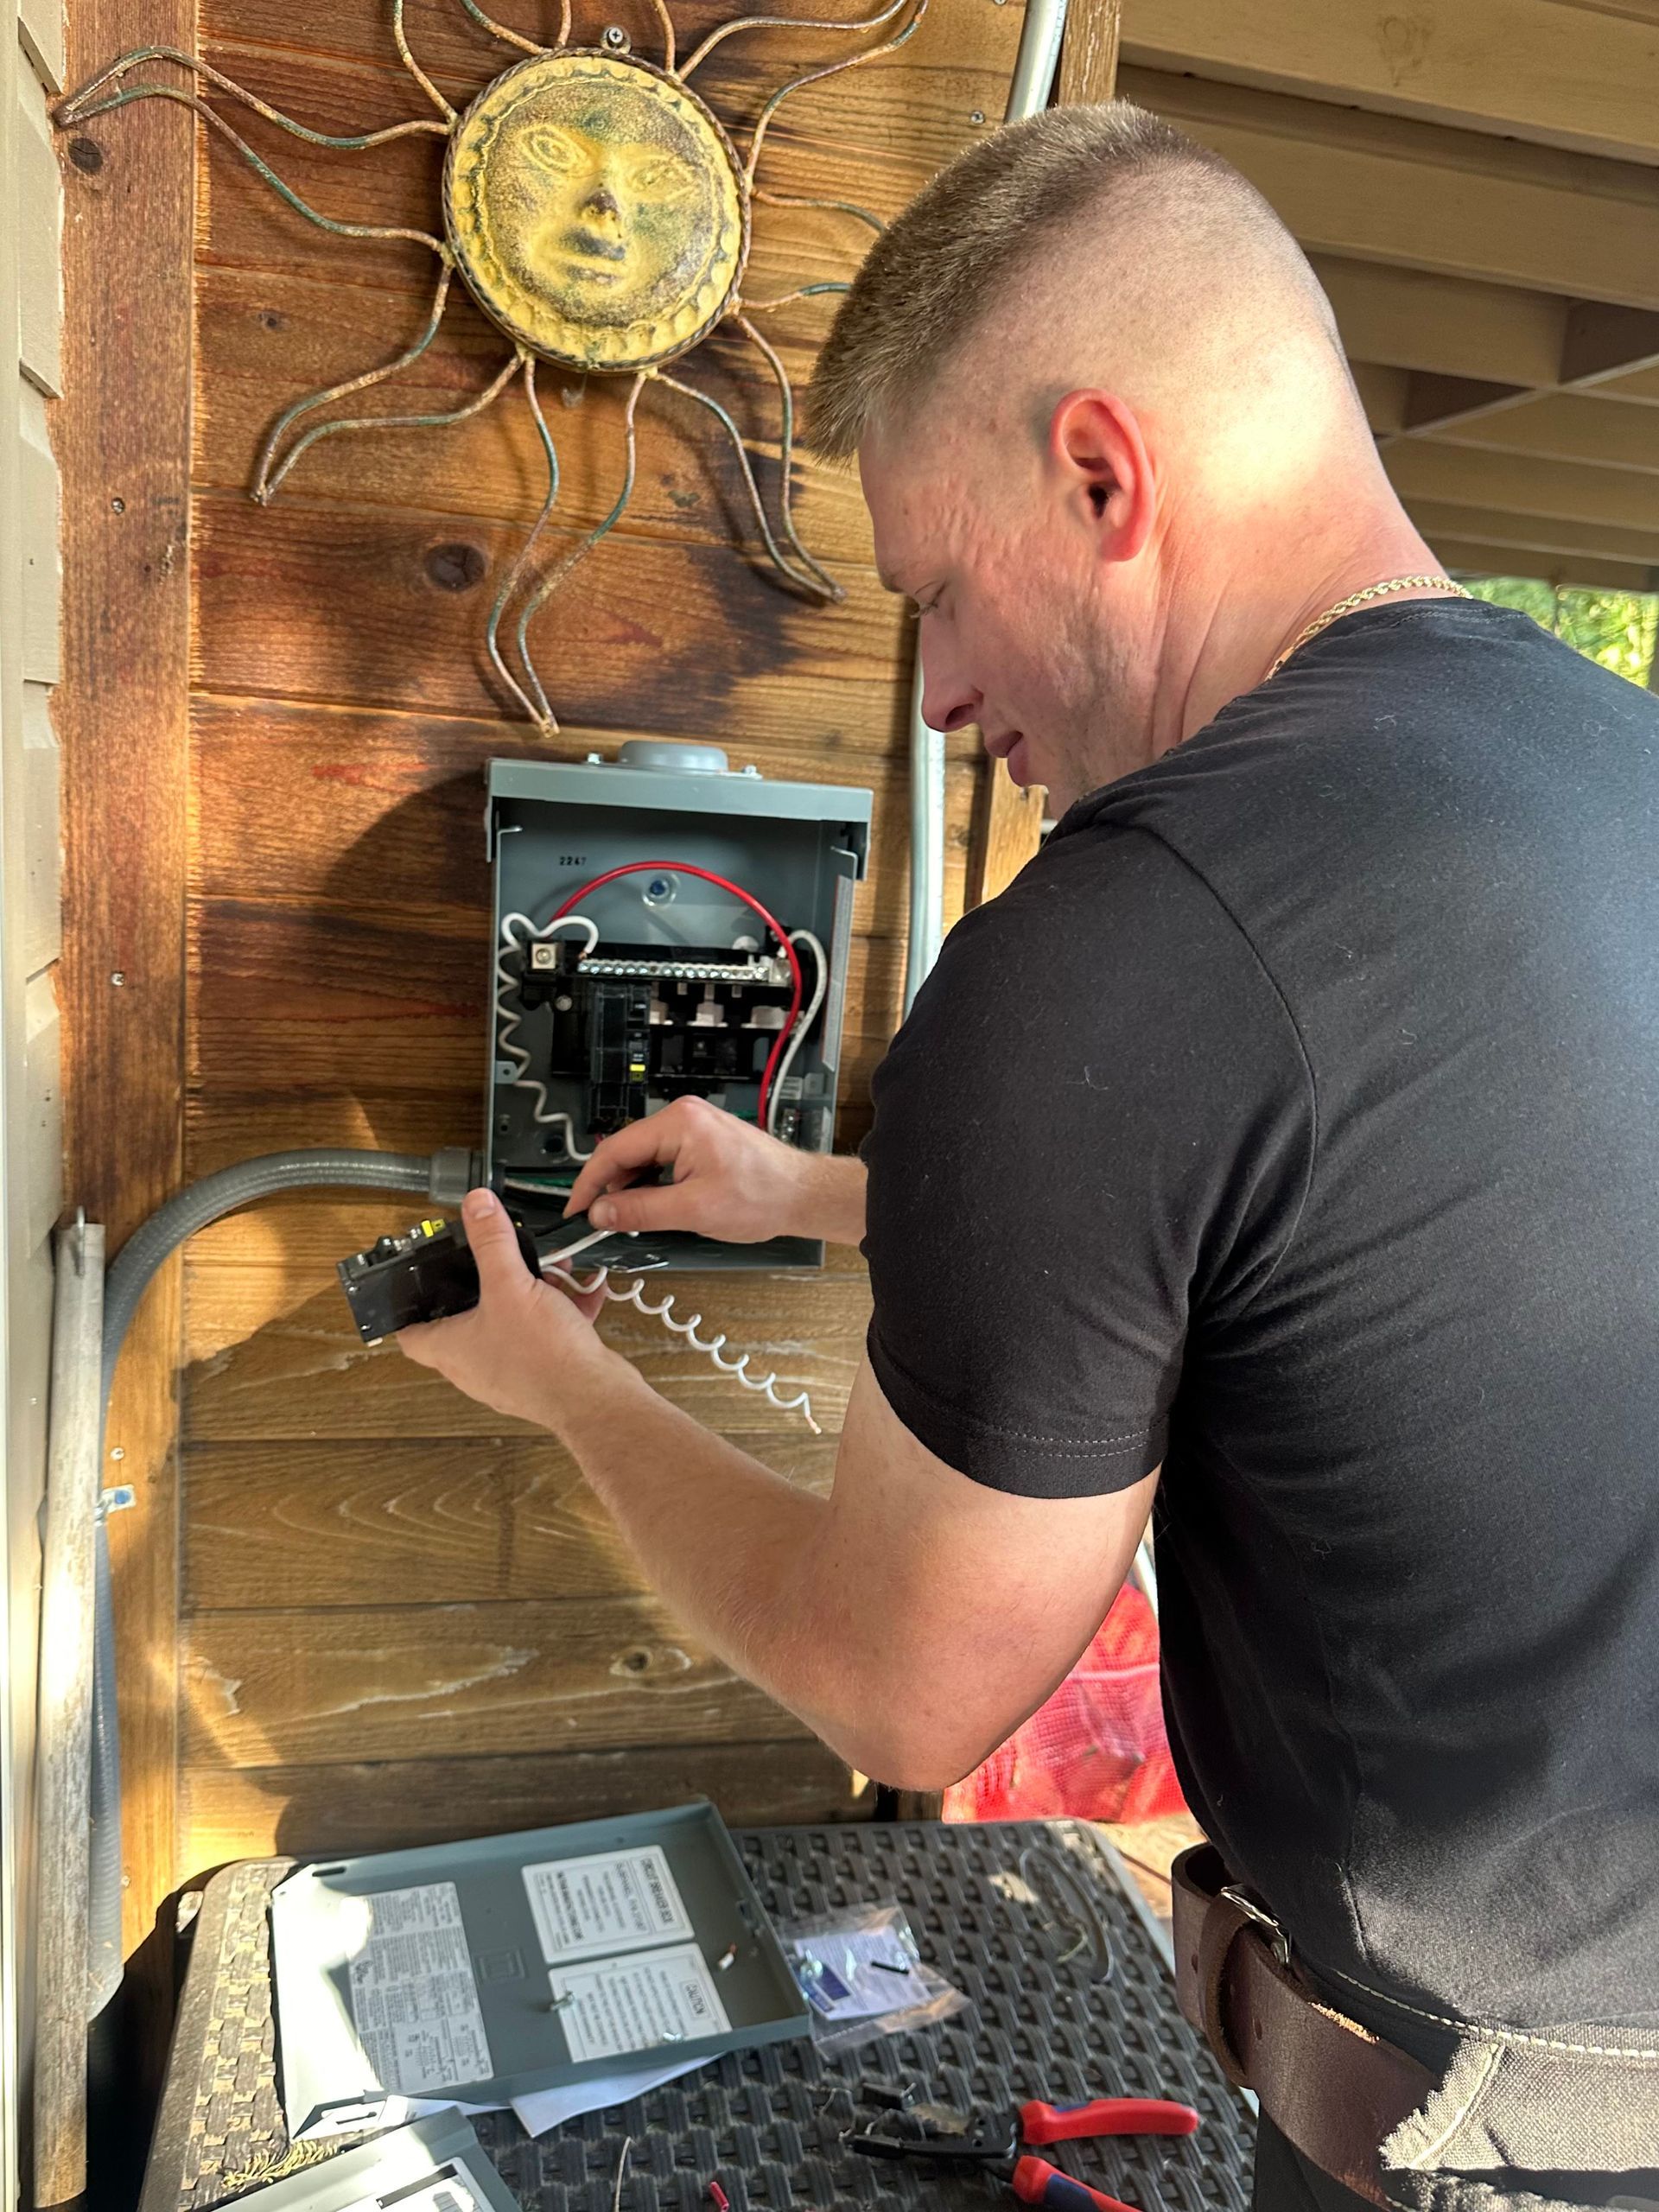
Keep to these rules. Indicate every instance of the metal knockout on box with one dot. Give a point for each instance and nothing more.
(664, 928)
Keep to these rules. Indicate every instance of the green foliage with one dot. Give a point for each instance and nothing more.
(1619, 629)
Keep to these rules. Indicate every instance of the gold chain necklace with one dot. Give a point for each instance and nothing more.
(1360, 599)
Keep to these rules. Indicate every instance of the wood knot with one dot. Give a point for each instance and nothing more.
(456, 566)
(86, 155)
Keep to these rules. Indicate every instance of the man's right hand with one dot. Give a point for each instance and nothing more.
(730, 1181)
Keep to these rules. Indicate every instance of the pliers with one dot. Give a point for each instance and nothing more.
(999, 2144)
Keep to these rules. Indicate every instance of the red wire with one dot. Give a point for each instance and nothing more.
(684, 867)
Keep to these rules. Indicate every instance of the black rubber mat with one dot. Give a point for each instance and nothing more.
(1070, 1997)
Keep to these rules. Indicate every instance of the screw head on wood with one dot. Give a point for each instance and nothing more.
(116, 979)
(978, 116)
(616, 38)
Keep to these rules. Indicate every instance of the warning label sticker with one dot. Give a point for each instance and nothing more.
(615, 1901)
(414, 1999)
(665, 1997)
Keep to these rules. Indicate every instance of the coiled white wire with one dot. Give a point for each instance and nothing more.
(507, 1018)
(663, 1312)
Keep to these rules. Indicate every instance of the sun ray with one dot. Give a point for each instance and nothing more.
(787, 23)
(839, 207)
(500, 31)
(807, 585)
(462, 414)
(263, 486)
(669, 48)
(801, 292)
(285, 192)
(542, 716)
(556, 575)
(76, 108)
(786, 455)
(414, 67)
(830, 69)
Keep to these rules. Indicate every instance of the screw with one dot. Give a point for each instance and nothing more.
(616, 38)
(751, 770)
(978, 116)
(117, 506)
(117, 979)
(119, 1452)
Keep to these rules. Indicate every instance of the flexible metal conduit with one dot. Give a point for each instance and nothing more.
(1028, 90)
(443, 1176)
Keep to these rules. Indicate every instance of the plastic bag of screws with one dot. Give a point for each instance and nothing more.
(861, 1972)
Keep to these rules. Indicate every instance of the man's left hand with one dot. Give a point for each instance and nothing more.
(526, 1348)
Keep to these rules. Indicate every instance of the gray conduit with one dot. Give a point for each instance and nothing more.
(1028, 90)
(443, 1176)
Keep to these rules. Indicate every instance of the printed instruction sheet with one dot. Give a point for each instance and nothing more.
(414, 1999)
(614, 1901)
(618, 2005)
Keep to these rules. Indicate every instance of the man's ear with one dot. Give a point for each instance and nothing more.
(1095, 440)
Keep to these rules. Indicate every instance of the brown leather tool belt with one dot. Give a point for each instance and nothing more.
(1336, 2090)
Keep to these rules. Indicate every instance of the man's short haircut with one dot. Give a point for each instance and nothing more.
(968, 237)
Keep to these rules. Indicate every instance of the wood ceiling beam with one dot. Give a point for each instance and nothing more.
(1444, 325)
(1641, 388)
(1470, 558)
(1378, 189)
(1518, 484)
(1438, 519)
(1526, 69)
(1565, 426)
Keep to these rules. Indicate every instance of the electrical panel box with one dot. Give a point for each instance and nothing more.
(664, 928)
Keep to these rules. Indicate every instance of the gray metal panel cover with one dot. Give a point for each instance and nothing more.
(320, 1933)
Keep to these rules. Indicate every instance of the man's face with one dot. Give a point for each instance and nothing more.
(1023, 628)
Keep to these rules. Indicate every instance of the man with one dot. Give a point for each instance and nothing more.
(1291, 1126)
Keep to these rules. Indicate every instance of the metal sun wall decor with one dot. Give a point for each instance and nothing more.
(598, 213)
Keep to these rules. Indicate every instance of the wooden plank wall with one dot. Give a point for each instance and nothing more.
(401, 1618)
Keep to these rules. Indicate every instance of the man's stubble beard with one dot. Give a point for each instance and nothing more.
(1103, 718)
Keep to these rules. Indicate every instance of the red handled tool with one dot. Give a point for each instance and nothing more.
(1033, 2180)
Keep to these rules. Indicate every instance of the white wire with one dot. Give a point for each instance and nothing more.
(798, 1037)
(663, 1312)
(507, 1018)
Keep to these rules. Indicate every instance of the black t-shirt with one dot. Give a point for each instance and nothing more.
(1294, 1121)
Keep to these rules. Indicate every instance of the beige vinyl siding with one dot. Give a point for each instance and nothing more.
(31, 1125)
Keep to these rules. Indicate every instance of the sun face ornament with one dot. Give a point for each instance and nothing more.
(598, 213)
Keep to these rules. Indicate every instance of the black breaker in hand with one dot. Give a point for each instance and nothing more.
(664, 929)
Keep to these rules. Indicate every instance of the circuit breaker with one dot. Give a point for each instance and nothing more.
(664, 928)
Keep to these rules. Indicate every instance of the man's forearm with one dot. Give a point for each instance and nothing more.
(829, 1204)
(729, 1543)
